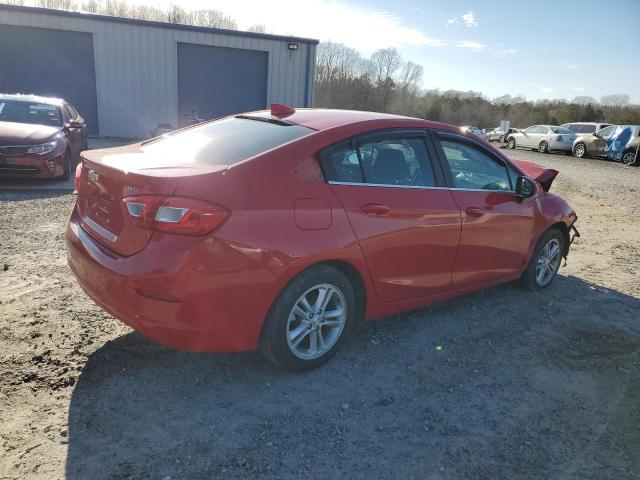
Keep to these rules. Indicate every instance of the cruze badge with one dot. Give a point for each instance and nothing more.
(93, 176)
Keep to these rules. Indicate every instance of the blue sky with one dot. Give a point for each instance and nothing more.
(541, 48)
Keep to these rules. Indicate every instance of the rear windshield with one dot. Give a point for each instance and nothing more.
(225, 142)
(561, 130)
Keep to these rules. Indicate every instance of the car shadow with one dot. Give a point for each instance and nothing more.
(453, 390)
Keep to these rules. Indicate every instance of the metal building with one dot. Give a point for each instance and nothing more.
(126, 76)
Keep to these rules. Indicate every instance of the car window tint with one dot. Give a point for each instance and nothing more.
(587, 129)
(561, 130)
(473, 169)
(605, 132)
(223, 142)
(73, 111)
(572, 126)
(397, 161)
(340, 164)
(66, 114)
(530, 129)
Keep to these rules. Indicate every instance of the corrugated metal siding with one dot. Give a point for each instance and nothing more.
(137, 75)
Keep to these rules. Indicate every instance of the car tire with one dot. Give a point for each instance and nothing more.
(580, 150)
(545, 262)
(511, 143)
(66, 172)
(295, 329)
(543, 147)
(501, 139)
(628, 157)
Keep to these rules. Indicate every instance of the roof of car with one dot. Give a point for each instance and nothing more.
(323, 119)
(31, 98)
(585, 123)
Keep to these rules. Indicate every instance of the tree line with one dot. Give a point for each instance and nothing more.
(385, 82)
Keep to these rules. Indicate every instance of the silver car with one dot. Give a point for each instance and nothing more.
(585, 128)
(543, 138)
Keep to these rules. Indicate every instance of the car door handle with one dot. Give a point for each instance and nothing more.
(375, 209)
(475, 211)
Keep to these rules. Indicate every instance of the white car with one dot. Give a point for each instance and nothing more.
(543, 138)
(474, 130)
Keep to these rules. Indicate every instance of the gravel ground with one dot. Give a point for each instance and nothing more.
(500, 384)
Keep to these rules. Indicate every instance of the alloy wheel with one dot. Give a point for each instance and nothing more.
(548, 262)
(316, 321)
(542, 148)
(628, 158)
(579, 151)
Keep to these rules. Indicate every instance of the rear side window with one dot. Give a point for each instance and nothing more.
(394, 161)
(587, 129)
(224, 142)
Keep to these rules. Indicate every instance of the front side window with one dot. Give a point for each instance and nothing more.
(587, 129)
(392, 161)
(572, 126)
(543, 130)
(605, 132)
(531, 129)
(472, 169)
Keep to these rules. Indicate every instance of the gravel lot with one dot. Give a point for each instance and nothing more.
(500, 384)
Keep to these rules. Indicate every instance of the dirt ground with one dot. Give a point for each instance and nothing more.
(502, 384)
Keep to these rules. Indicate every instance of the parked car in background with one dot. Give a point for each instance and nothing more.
(40, 137)
(350, 216)
(585, 128)
(622, 144)
(543, 138)
(474, 130)
(498, 135)
(593, 144)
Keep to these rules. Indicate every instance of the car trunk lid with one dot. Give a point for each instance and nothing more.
(110, 175)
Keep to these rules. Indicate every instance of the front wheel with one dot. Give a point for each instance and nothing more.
(543, 147)
(511, 143)
(545, 262)
(66, 172)
(309, 319)
(501, 139)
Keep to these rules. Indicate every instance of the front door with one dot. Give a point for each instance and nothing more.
(497, 225)
(529, 137)
(407, 224)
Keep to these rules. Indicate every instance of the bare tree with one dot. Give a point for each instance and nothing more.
(258, 28)
(615, 100)
(584, 100)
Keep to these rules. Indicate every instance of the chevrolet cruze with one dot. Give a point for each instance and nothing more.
(280, 230)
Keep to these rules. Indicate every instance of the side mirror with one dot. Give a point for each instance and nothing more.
(73, 124)
(525, 187)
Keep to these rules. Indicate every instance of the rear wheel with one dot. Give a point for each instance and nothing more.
(501, 139)
(543, 147)
(629, 157)
(309, 320)
(580, 150)
(511, 143)
(545, 262)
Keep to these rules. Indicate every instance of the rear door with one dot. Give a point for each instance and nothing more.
(408, 225)
(497, 225)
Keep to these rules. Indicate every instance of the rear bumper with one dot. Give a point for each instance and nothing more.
(214, 298)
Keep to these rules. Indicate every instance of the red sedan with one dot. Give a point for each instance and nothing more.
(280, 230)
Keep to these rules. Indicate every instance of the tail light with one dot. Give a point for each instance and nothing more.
(559, 138)
(76, 182)
(180, 215)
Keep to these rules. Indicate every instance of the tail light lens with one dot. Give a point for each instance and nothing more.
(180, 215)
(76, 182)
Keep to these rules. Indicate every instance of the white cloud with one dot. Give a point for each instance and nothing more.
(364, 29)
(502, 51)
(469, 19)
(572, 67)
(474, 46)
(578, 89)
(451, 22)
(546, 90)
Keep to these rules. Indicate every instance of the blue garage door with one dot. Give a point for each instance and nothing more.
(53, 63)
(218, 81)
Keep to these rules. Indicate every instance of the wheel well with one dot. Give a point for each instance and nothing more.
(355, 278)
(565, 234)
